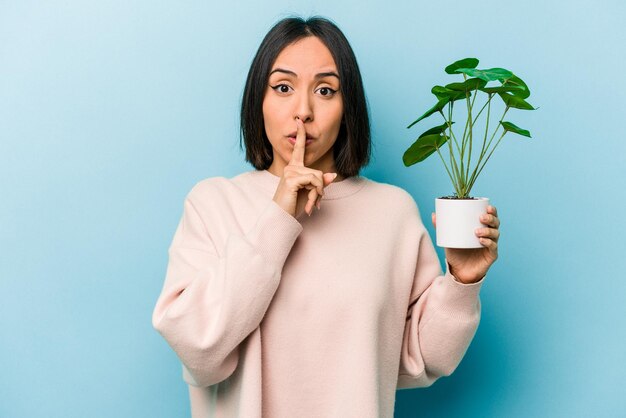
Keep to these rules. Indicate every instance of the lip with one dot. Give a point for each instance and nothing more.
(292, 140)
(294, 133)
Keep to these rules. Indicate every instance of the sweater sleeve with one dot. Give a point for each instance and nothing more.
(442, 318)
(210, 303)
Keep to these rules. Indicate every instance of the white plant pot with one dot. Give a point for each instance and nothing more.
(457, 220)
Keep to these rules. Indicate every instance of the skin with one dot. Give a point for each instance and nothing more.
(299, 101)
(315, 101)
(471, 265)
(296, 92)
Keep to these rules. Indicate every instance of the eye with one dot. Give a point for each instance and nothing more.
(329, 92)
(281, 88)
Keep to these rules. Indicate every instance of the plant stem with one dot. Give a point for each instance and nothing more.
(453, 164)
(482, 150)
(449, 122)
(492, 150)
(463, 181)
(471, 128)
(481, 110)
(464, 141)
(482, 154)
(499, 124)
(453, 174)
(460, 173)
(465, 130)
(445, 165)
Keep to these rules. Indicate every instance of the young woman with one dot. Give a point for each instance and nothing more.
(274, 313)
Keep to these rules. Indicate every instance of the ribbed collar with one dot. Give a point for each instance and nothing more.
(335, 190)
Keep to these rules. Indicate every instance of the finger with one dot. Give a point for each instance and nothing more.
(492, 210)
(312, 198)
(297, 156)
(317, 180)
(328, 178)
(433, 217)
(488, 233)
(490, 220)
(318, 199)
(491, 245)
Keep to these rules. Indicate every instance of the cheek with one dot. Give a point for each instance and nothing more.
(269, 126)
(335, 114)
(267, 110)
(272, 115)
(331, 114)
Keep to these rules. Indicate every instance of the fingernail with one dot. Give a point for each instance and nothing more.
(334, 176)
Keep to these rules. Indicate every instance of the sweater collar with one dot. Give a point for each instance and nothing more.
(335, 190)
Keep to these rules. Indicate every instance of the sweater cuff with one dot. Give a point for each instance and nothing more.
(460, 300)
(275, 233)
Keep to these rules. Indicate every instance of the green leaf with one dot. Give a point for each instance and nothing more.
(516, 102)
(464, 63)
(492, 74)
(445, 93)
(436, 130)
(469, 84)
(506, 88)
(510, 127)
(516, 81)
(440, 104)
(422, 148)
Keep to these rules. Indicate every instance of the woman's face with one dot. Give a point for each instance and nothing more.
(304, 83)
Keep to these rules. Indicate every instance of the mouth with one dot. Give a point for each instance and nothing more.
(293, 135)
(292, 140)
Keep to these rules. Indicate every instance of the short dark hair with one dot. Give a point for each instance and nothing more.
(352, 148)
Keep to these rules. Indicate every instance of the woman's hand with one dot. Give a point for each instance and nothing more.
(470, 265)
(301, 188)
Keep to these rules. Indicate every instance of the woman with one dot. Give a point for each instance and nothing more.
(275, 314)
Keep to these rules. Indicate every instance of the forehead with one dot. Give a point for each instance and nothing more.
(305, 55)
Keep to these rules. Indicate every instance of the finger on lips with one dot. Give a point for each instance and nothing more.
(297, 156)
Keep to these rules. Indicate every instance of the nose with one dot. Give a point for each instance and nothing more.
(303, 110)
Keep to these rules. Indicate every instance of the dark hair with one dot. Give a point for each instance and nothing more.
(352, 148)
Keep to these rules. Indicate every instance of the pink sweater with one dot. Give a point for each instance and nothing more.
(321, 316)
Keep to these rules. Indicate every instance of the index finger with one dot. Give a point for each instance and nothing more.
(493, 210)
(297, 156)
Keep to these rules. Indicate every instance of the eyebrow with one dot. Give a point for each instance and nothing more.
(318, 75)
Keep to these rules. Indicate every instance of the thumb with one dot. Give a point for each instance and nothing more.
(329, 178)
(434, 219)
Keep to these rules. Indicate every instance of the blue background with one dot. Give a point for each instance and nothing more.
(110, 111)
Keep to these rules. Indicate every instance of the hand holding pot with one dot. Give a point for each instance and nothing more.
(471, 265)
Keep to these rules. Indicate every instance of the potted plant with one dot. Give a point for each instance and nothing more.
(458, 215)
